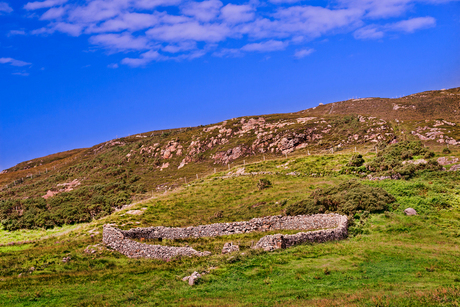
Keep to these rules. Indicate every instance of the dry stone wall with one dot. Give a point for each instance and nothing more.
(120, 240)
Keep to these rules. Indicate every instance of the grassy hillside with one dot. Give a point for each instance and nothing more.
(52, 210)
(389, 260)
(85, 184)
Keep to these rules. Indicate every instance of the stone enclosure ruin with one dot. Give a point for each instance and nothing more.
(332, 227)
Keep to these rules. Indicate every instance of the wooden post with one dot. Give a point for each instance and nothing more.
(196, 176)
(285, 154)
(228, 166)
(244, 162)
(264, 158)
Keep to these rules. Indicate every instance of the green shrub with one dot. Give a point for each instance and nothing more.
(263, 184)
(356, 160)
(390, 160)
(345, 198)
(446, 150)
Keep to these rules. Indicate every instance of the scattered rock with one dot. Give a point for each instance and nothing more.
(415, 162)
(31, 269)
(454, 168)
(230, 248)
(192, 278)
(447, 160)
(410, 211)
(66, 259)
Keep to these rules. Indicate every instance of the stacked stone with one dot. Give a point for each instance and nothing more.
(114, 238)
(277, 222)
(119, 240)
(278, 241)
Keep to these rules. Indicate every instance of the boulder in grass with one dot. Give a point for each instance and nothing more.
(410, 211)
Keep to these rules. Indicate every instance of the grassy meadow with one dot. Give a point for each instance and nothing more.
(389, 259)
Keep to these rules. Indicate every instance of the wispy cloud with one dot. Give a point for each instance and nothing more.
(14, 62)
(405, 26)
(5, 8)
(16, 32)
(271, 45)
(303, 52)
(24, 74)
(413, 24)
(43, 4)
(188, 29)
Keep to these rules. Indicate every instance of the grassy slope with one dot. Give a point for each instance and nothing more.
(396, 261)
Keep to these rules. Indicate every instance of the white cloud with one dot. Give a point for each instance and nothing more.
(413, 24)
(43, 4)
(14, 62)
(120, 42)
(16, 32)
(127, 21)
(369, 32)
(271, 45)
(5, 8)
(407, 26)
(303, 52)
(189, 31)
(183, 46)
(232, 13)
(188, 28)
(144, 59)
(53, 13)
(113, 65)
(203, 11)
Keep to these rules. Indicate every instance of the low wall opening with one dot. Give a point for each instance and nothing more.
(334, 228)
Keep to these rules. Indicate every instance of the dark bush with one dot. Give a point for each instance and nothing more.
(446, 150)
(356, 160)
(345, 198)
(263, 184)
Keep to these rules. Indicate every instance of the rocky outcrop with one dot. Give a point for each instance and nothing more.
(120, 240)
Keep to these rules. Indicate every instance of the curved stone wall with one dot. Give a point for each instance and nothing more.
(119, 240)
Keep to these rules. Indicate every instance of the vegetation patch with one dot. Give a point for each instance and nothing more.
(346, 198)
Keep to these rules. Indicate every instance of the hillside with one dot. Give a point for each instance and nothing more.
(368, 167)
(83, 184)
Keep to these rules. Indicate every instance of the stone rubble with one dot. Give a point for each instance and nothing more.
(192, 278)
(230, 248)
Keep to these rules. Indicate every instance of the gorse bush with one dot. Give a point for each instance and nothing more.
(390, 160)
(446, 150)
(356, 160)
(345, 198)
(264, 184)
(80, 205)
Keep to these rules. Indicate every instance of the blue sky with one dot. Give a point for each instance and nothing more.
(74, 73)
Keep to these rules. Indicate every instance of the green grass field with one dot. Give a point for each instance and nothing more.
(389, 260)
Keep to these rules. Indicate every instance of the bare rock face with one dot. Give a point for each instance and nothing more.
(230, 248)
(410, 211)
